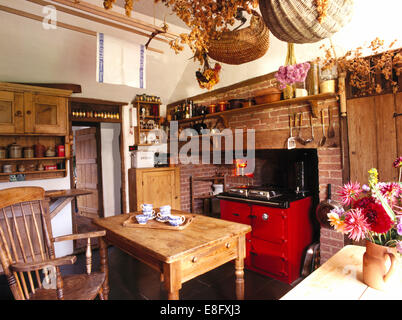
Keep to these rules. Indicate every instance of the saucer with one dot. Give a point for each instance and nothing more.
(160, 220)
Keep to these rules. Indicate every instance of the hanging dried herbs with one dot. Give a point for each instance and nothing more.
(206, 19)
(363, 70)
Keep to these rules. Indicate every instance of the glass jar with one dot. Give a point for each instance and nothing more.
(300, 89)
(328, 79)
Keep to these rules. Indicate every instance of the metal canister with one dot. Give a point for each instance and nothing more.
(15, 151)
(3, 153)
(28, 152)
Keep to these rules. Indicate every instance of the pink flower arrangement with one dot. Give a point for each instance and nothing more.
(288, 75)
(373, 213)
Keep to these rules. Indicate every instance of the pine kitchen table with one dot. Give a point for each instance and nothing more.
(181, 255)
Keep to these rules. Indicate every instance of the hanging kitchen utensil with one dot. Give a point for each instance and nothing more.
(299, 138)
(296, 21)
(291, 139)
(242, 45)
(324, 207)
(331, 130)
(324, 138)
(309, 140)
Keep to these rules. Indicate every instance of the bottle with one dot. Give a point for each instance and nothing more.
(187, 110)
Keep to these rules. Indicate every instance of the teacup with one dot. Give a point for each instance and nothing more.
(176, 220)
(141, 218)
(166, 208)
(150, 214)
(147, 206)
(163, 215)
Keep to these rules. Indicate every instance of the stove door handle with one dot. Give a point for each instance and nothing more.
(236, 214)
(252, 216)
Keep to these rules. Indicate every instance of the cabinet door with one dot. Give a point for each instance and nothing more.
(269, 224)
(235, 211)
(11, 112)
(45, 114)
(159, 188)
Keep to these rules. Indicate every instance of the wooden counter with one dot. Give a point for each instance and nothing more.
(341, 278)
(58, 199)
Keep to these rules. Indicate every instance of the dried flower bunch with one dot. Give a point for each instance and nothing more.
(108, 4)
(322, 9)
(373, 211)
(207, 19)
(363, 70)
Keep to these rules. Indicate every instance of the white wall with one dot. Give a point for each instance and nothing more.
(111, 172)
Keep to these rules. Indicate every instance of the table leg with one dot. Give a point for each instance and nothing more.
(104, 267)
(239, 268)
(172, 279)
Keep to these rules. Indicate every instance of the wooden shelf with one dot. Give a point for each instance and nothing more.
(147, 102)
(31, 172)
(84, 119)
(33, 159)
(313, 100)
(208, 178)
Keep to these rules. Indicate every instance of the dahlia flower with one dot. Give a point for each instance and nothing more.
(350, 192)
(336, 222)
(356, 224)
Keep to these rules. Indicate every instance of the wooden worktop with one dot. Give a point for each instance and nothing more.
(54, 194)
(341, 278)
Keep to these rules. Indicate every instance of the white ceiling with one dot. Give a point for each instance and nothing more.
(156, 10)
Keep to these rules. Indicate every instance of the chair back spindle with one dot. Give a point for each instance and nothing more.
(22, 222)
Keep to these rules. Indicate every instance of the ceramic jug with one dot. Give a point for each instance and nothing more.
(379, 264)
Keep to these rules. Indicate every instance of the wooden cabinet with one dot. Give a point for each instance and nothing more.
(45, 114)
(33, 110)
(148, 119)
(159, 186)
(30, 116)
(11, 112)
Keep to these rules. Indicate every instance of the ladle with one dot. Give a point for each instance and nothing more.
(324, 138)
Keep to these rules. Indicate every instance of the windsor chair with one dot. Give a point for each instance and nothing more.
(27, 252)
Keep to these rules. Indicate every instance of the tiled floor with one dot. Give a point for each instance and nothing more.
(130, 279)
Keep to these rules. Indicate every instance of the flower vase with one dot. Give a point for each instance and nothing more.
(289, 92)
(379, 264)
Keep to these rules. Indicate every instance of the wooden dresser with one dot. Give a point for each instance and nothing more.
(159, 186)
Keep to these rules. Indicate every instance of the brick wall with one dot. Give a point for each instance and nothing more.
(272, 130)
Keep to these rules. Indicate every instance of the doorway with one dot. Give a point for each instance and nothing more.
(97, 164)
(86, 173)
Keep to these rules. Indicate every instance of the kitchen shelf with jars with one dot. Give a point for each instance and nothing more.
(34, 139)
(179, 112)
(148, 119)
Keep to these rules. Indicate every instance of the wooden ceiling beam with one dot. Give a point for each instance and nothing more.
(112, 15)
(95, 19)
(58, 23)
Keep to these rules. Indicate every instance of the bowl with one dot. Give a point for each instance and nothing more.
(268, 95)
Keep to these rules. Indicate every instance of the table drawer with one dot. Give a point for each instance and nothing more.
(206, 259)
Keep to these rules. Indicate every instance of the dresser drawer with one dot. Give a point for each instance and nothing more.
(206, 259)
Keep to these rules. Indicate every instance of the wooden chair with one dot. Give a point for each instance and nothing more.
(27, 246)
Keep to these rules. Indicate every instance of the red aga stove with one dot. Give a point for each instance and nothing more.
(281, 227)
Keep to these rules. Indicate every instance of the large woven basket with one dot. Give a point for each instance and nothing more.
(295, 21)
(242, 45)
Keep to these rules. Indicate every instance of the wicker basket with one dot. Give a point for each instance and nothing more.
(243, 45)
(296, 21)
